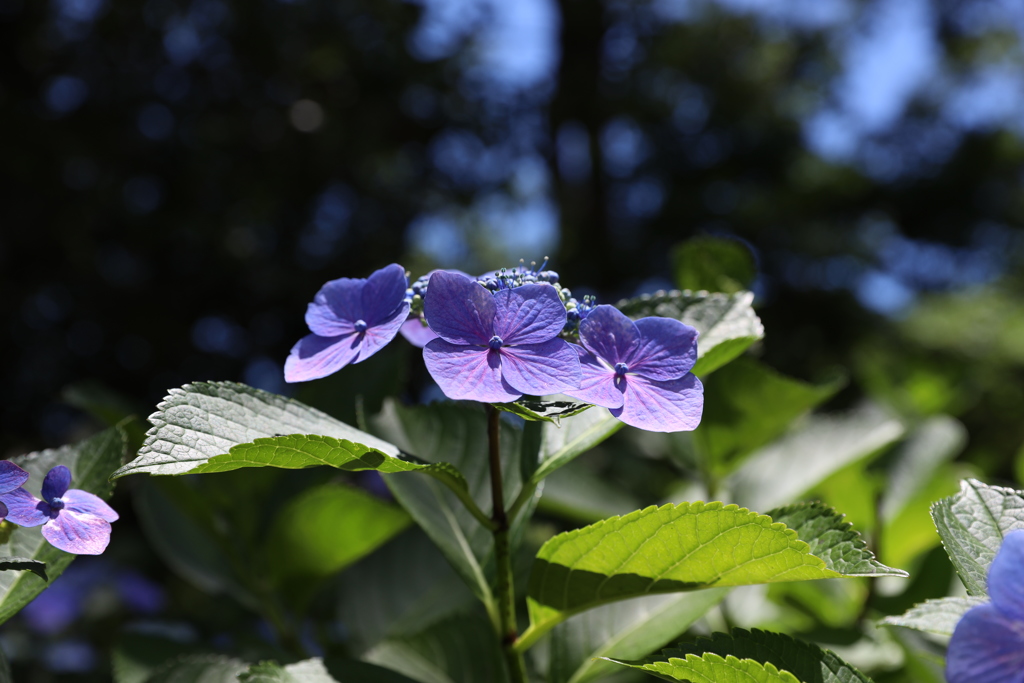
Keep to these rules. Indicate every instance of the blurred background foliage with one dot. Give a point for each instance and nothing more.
(180, 177)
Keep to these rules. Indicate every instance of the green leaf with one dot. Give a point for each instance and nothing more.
(324, 530)
(675, 548)
(543, 411)
(715, 264)
(379, 598)
(935, 441)
(572, 437)
(748, 405)
(972, 525)
(136, 656)
(306, 671)
(462, 649)
(91, 462)
(935, 616)
(726, 322)
(625, 630)
(713, 669)
(21, 564)
(5, 669)
(196, 428)
(456, 432)
(836, 542)
(199, 669)
(798, 660)
(802, 459)
(578, 494)
(186, 533)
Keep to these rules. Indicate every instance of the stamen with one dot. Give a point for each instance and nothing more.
(495, 343)
(621, 369)
(360, 326)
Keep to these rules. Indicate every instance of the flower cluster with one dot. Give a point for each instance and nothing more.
(73, 520)
(508, 333)
(988, 642)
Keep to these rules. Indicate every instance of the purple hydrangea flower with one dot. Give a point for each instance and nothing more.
(494, 348)
(988, 642)
(640, 370)
(351, 319)
(73, 520)
(11, 478)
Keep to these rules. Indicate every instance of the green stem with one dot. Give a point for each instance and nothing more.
(503, 554)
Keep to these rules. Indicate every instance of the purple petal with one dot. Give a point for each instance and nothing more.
(597, 383)
(384, 294)
(986, 647)
(662, 406)
(1006, 576)
(609, 334)
(335, 307)
(458, 309)
(468, 372)
(551, 367)
(56, 482)
(84, 502)
(416, 332)
(667, 350)
(380, 335)
(77, 533)
(11, 476)
(315, 357)
(530, 314)
(24, 509)
(3, 510)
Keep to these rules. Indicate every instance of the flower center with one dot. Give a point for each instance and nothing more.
(57, 503)
(621, 369)
(360, 326)
(495, 342)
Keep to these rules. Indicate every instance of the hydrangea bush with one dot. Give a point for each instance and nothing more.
(533, 379)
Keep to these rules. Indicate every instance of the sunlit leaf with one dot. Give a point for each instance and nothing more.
(684, 547)
(197, 427)
(324, 530)
(936, 616)
(780, 655)
(972, 525)
(306, 671)
(572, 437)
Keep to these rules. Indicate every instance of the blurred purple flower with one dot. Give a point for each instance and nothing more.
(988, 642)
(640, 370)
(73, 520)
(351, 319)
(497, 347)
(417, 333)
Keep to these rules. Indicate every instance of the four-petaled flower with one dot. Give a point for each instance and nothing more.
(73, 520)
(988, 642)
(640, 370)
(351, 319)
(496, 347)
